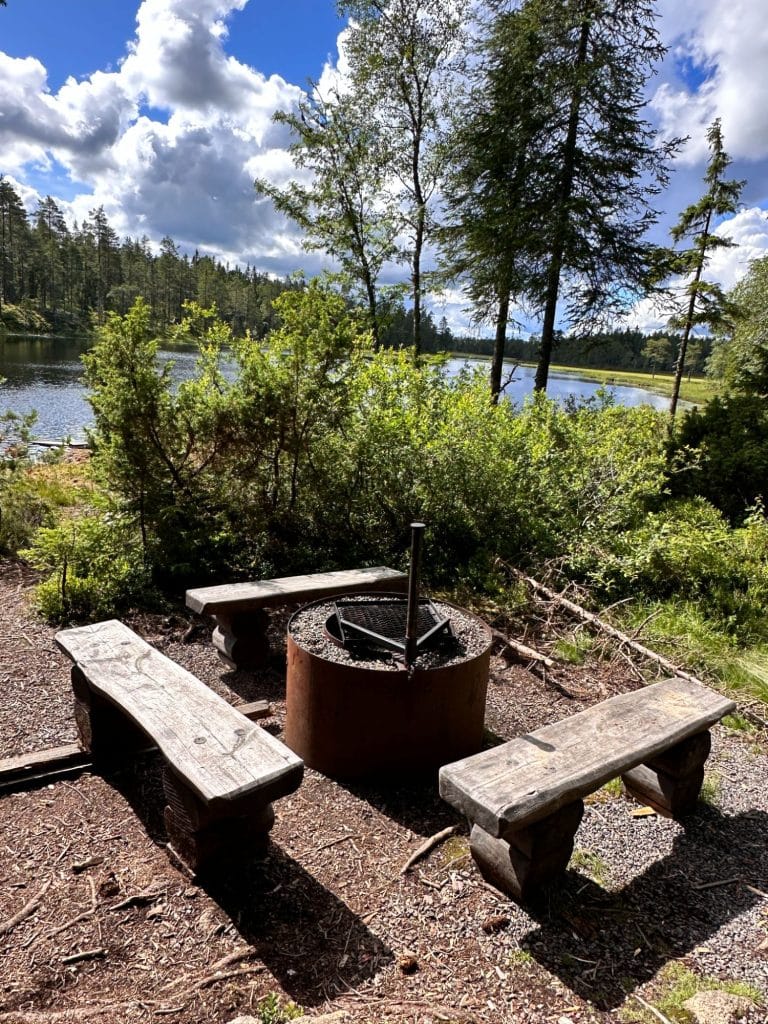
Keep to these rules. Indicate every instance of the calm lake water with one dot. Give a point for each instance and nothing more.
(45, 375)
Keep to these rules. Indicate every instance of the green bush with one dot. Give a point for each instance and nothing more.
(730, 440)
(24, 504)
(95, 568)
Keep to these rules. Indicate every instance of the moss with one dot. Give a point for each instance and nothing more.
(675, 984)
(710, 789)
(455, 850)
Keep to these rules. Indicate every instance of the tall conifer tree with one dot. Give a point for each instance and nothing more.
(704, 303)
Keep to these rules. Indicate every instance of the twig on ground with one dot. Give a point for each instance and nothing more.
(652, 1009)
(425, 847)
(84, 954)
(335, 842)
(26, 911)
(138, 899)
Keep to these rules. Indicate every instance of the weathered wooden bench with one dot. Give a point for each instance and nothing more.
(221, 771)
(240, 609)
(524, 797)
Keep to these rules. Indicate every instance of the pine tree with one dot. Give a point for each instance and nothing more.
(705, 303)
(587, 163)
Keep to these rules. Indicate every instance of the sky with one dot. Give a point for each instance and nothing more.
(161, 112)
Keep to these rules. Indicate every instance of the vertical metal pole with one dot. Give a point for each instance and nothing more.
(411, 621)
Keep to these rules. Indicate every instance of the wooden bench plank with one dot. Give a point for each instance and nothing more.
(219, 753)
(530, 777)
(292, 589)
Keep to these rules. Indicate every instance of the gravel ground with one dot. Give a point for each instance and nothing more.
(328, 919)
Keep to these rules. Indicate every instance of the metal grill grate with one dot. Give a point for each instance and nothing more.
(382, 623)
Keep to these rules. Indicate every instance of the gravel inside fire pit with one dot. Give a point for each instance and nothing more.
(471, 637)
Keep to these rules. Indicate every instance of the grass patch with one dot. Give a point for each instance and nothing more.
(520, 958)
(610, 791)
(681, 631)
(574, 648)
(676, 983)
(454, 850)
(737, 723)
(274, 1010)
(591, 864)
(698, 390)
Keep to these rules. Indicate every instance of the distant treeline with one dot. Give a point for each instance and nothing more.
(609, 350)
(59, 279)
(63, 279)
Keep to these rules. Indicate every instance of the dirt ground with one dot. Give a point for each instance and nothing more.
(97, 922)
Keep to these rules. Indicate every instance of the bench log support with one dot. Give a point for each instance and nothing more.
(529, 858)
(671, 783)
(222, 772)
(199, 837)
(105, 732)
(240, 639)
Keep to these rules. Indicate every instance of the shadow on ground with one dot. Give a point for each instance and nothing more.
(603, 945)
(306, 936)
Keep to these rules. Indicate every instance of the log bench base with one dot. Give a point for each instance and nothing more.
(529, 858)
(524, 798)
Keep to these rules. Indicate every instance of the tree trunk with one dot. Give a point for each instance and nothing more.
(688, 325)
(497, 362)
(561, 214)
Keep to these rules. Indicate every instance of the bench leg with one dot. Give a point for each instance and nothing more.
(104, 730)
(525, 860)
(241, 639)
(671, 782)
(200, 839)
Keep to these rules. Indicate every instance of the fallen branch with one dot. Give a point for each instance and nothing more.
(425, 847)
(26, 911)
(524, 652)
(604, 627)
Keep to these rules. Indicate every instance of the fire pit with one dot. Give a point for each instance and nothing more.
(378, 685)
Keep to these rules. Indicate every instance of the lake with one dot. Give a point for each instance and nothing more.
(45, 375)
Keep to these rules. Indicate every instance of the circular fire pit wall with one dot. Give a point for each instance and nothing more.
(350, 716)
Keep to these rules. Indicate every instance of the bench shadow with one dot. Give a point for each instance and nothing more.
(603, 945)
(308, 938)
(412, 800)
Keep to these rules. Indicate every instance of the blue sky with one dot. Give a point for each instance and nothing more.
(292, 38)
(161, 112)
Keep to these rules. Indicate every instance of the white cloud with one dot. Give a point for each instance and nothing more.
(748, 229)
(726, 41)
(187, 172)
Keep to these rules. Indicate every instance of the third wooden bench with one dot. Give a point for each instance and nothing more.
(240, 609)
(524, 797)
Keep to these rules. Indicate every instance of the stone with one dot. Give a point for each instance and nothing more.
(717, 1007)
